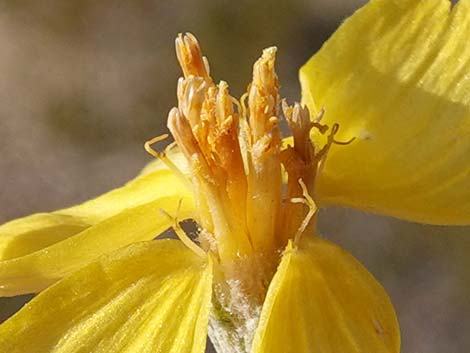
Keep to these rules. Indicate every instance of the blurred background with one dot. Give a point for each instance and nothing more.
(84, 83)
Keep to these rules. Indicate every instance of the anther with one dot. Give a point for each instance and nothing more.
(190, 58)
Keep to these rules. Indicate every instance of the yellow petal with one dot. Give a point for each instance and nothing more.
(28, 234)
(396, 75)
(148, 297)
(35, 271)
(323, 300)
(37, 250)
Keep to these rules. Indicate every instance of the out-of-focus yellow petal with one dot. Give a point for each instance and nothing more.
(396, 75)
(37, 270)
(323, 300)
(37, 250)
(28, 234)
(148, 297)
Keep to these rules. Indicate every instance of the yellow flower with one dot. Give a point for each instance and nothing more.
(392, 139)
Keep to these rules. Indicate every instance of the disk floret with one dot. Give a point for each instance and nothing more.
(264, 147)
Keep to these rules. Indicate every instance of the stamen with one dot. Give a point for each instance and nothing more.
(190, 58)
(263, 95)
(191, 95)
(300, 162)
(298, 118)
(264, 142)
(212, 155)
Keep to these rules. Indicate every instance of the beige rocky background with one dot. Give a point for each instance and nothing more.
(84, 83)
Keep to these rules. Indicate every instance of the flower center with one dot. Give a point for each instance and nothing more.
(247, 211)
(236, 157)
